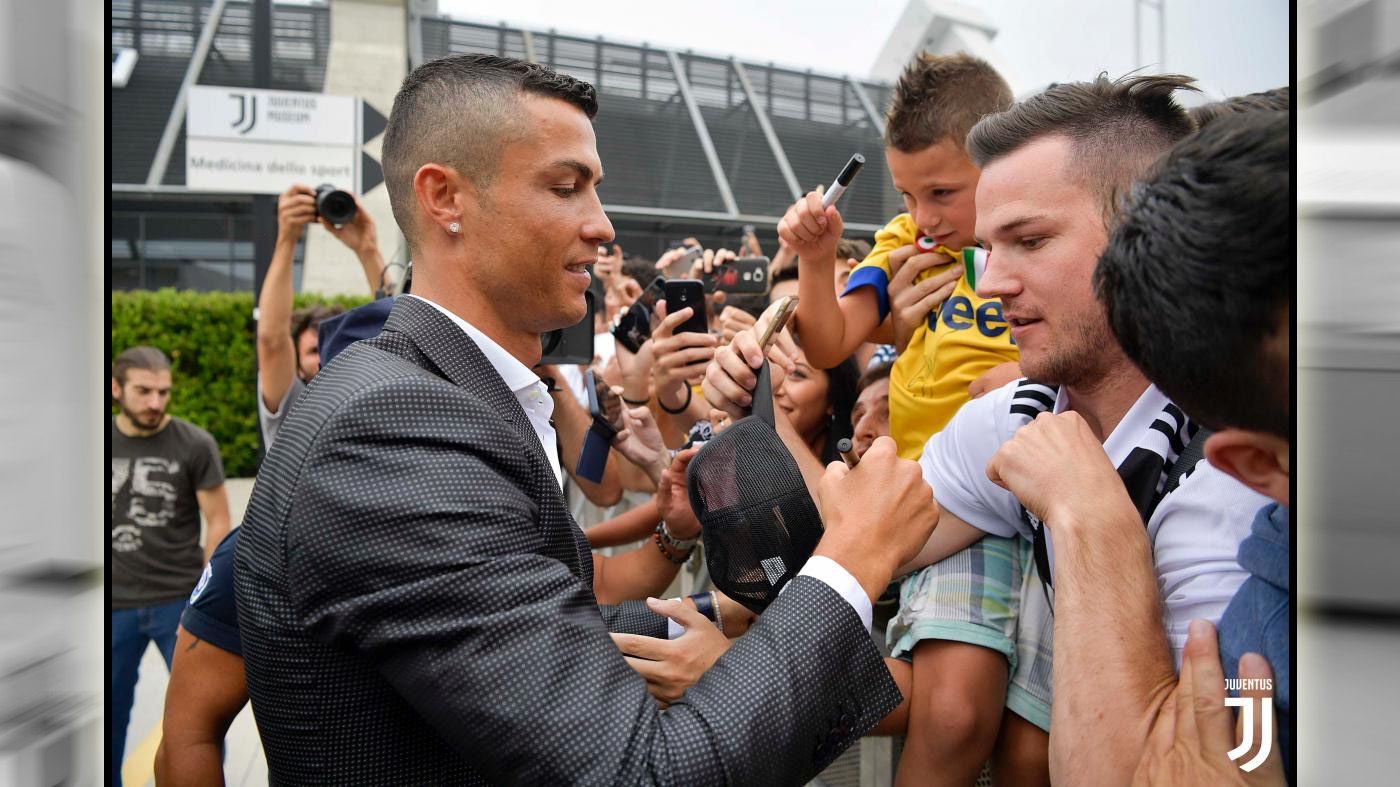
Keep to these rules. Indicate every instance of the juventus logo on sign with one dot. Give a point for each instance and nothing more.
(247, 113)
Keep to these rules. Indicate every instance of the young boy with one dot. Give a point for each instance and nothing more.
(958, 620)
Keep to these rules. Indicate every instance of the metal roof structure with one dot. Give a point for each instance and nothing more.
(683, 137)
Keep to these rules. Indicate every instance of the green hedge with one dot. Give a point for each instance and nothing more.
(210, 339)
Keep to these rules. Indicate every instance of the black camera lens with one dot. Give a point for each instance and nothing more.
(334, 205)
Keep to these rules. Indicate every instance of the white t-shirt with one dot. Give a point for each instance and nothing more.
(271, 422)
(1195, 531)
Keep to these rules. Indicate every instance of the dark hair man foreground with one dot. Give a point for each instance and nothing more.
(1215, 221)
(414, 597)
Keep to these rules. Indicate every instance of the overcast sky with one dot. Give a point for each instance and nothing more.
(1232, 46)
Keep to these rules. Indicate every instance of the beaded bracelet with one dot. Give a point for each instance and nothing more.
(672, 541)
(662, 548)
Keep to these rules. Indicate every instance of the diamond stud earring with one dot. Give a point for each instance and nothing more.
(454, 228)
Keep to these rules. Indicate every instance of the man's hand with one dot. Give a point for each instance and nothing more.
(911, 302)
(736, 617)
(673, 498)
(671, 666)
(635, 369)
(810, 230)
(679, 357)
(641, 443)
(608, 269)
(994, 378)
(1056, 467)
(877, 516)
(730, 377)
(708, 261)
(1193, 732)
(360, 235)
(296, 208)
(617, 298)
(733, 320)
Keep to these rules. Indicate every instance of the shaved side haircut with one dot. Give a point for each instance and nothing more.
(461, 111)
(1117, 129)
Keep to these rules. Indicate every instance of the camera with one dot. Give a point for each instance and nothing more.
(334, 205)
(571, 346)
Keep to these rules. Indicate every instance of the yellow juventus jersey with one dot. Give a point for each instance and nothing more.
(956, 344)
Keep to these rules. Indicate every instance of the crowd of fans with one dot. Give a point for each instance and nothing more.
(1088, 290)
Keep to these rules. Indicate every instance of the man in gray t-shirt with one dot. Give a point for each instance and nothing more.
(165, 473)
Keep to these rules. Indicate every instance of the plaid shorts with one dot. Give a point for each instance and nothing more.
(989, 595)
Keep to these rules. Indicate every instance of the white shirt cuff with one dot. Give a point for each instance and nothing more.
(836, 577)
(840, 580)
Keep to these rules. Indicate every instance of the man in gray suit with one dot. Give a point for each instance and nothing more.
(414, 598)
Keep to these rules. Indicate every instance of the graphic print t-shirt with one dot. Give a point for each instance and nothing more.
(156, 556)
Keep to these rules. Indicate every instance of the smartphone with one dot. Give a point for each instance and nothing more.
(634, 323)
(786, 307)
(681, 265)
(603, 404)
(743, 275)
(681, 293)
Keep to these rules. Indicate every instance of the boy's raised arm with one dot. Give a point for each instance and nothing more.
(812, 232)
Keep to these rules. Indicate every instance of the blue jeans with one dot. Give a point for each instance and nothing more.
(132, 630)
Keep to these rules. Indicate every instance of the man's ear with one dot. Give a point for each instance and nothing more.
(1259, 460)
(116, 389)
(439, 192)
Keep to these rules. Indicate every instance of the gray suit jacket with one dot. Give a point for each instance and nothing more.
(416, 606)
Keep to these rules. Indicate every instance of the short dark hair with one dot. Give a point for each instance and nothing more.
(1280, 98)
(459, 111)
(851, 249)
(1198, 275)
(140, 357)
(785, 273)
(874, 374)
(942, 96)
(310, 318)
(639, 268)
(1116, 128)
(752, 302)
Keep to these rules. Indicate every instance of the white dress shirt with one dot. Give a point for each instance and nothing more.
(526, 385)
(538, 405)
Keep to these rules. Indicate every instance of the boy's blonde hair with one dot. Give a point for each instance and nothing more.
(942, 96)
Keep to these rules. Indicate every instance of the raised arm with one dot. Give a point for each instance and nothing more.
(1113, 665)
(361, 237)
(277, 361)
(812, 233)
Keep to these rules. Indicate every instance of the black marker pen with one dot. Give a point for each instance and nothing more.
(848, 174)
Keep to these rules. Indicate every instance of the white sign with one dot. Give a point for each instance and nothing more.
(264, 167)
(261, 141)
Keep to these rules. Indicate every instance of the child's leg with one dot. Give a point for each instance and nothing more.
(955, 618)
(1022, 754)
(955, 710)
(1023, 750)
